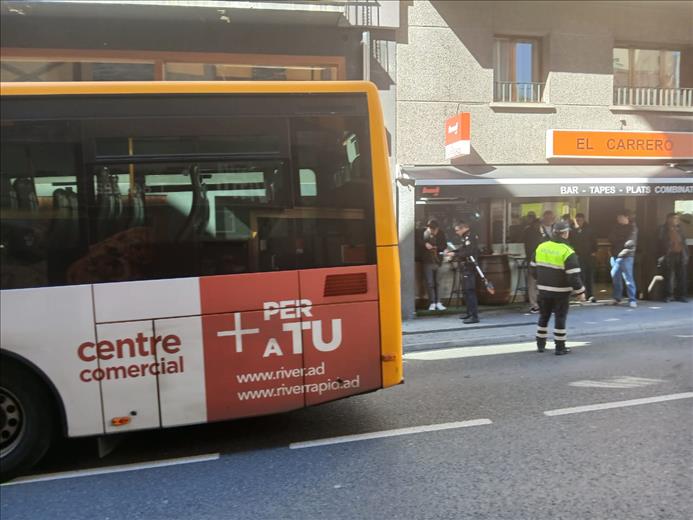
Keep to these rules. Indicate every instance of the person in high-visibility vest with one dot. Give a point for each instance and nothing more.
(557, 270)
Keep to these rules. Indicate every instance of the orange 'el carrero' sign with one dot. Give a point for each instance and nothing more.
(618, 145)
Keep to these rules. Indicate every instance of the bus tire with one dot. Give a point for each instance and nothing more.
(26, 420)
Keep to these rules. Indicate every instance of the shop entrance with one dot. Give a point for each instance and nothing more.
(602, 214)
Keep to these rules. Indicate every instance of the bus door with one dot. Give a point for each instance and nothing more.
(146, 358)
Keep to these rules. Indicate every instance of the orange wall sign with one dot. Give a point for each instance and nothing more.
(457, 135)
(596, 144)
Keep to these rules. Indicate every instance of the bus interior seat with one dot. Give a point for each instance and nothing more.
(196, 223)
(73, 237)
(26, 194)
(8, 195)
(117, 204)
(64, 227)
(136, 207)
(59, 226)
(104, 204)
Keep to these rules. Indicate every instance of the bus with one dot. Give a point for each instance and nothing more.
(177, 253)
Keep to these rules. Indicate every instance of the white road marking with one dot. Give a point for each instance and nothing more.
(613, 319)
(112, 469)
(500, 339)
(489, 350)
(617, 382)
(619, 404)
(388, 433)
(684, 336)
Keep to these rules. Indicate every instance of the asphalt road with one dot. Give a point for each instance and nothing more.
(512, 461)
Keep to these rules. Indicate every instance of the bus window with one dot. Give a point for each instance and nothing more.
(154, 220)
(41, 231)
(336, 227)
(308, 183)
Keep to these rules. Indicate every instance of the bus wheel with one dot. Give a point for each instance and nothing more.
(26, 420)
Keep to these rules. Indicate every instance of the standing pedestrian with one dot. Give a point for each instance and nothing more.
(535, 233)
(465, 254)
(674, 253)
(584, 243)
(624, 239)
(556, 268)
(434, 244)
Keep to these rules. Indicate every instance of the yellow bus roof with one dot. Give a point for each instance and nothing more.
(184, 87)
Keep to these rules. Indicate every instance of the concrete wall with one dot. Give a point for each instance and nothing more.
(445, 65)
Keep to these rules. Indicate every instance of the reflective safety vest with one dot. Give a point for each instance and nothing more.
(556, 268)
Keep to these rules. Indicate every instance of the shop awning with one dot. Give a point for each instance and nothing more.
(506, 181)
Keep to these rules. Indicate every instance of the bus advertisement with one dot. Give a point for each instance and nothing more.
(179, 253)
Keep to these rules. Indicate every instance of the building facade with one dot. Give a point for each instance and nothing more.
(524, 71)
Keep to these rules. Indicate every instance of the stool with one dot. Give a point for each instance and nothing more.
(457, 288)
(522, 268)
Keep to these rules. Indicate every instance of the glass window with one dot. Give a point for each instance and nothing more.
(647, 68)
(74, 70)
(247, 72)
(136, 198)
(621, 68)
(153, 220)
(42, 232)
(517, 70)
(308, 182)
(670, 69)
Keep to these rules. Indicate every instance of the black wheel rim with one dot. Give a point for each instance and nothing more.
(11, 422)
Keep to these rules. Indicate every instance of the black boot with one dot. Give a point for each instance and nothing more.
(561, 349)
(541, 344)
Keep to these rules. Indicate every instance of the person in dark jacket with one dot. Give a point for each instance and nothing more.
(536, 232)
(434, 244)
(624, 239)
(673, 253)
(557, 271)
(585, 245)
(466, 254)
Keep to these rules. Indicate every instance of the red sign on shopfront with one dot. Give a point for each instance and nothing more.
(457, 135)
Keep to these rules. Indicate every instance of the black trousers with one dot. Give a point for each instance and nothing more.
(469, 281)
(587, 273)
(558, 305)
(675, 283)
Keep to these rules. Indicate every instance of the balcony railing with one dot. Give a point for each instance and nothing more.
(653, 97)
(512, 92)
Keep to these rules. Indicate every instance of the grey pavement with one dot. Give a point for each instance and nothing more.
(503, 325)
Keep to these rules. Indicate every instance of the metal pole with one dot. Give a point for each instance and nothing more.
(366, 51)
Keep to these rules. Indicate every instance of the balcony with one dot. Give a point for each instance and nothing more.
(512, 92)
(653, 97)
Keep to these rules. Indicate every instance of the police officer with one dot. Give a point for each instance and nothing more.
(557, 271)
(468, 249)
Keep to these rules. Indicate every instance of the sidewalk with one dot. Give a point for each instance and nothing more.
(510, 324)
